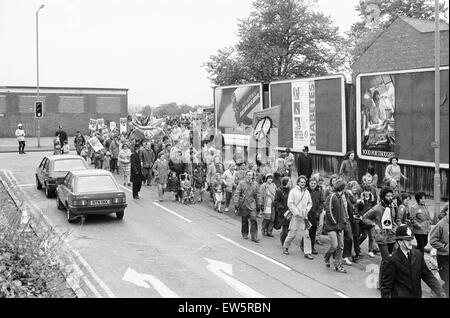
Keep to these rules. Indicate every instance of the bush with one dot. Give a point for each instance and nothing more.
(28, 263)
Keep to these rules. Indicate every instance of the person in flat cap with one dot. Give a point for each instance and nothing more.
(20, 134)
(404, 270)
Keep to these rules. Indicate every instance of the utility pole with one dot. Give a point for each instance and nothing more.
(37, 74)
(436, 144)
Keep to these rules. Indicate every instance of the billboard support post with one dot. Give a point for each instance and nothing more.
(437, 190)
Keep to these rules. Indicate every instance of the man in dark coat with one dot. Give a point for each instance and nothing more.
(247, 200)
(136, 171)
(280, 202)
(401, 277)
(304, 163)
(62, 135)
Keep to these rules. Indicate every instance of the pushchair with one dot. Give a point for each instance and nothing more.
(187, 191)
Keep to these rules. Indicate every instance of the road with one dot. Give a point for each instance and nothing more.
(165, 249)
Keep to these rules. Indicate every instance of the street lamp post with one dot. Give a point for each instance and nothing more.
(437, 61)
(37, 72)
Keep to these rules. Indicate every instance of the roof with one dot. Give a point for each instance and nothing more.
(424, 26)
(58, 157)
(58, 87)
(91, 172)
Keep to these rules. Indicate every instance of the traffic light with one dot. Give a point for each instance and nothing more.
(38, 110)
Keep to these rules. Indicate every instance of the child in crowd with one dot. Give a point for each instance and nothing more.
(217, 187)
(172, 184)
(84, 152)
(66, 148)
(57, 146)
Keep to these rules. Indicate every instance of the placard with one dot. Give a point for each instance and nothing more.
(123, 125)
(95, 143)
(92, 124)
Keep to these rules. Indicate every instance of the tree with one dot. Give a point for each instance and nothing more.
(365, 31)
(280, 39)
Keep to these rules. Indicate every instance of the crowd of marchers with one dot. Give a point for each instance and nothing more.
(347, 210)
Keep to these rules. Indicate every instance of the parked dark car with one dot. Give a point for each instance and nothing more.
(53, 169)
(92, 191)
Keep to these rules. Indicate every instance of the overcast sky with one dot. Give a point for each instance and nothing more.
(154, 48)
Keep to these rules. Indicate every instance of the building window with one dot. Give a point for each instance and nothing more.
(2, 105)
(108, 105)
(71, 104)
(26, 103)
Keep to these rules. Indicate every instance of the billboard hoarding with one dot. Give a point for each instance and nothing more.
(395, 115)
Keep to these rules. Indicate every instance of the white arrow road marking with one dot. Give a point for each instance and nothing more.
(170, 211)
(140, 280)
(253, 252)
(221, 269)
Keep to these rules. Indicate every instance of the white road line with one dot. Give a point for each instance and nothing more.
(256, 253)
(27, 185)
(125, 188)
(342, 295)
(92, 272)
(170, 211)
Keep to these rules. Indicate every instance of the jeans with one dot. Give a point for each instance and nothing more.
(312, 234)
(442, 261)
(253, 226)
(320, 226)
(356, 234)
(422, 241)
(364, 233)
(348, 241)
(113, 165)
(228, 196)
(336, 247)
(21, 146)
(304, 235)
(267, 226)
(136, 188)
(284, 233)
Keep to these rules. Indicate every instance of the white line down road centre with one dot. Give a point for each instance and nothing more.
(222, 270)
(141, 280)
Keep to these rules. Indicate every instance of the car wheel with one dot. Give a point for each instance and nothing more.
(59, 204)
(70, 216)
(48, 193)
(38, 183)
(119, 215)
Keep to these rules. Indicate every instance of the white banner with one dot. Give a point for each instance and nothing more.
(92, 124)
(123, 125)
(101, 123)
(303, 115)
(95, 143)
(112, 125)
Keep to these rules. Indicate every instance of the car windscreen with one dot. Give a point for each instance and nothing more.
(68, 165)
(86, 184)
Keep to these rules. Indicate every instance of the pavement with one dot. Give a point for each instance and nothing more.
(165, 249)
(31, 144)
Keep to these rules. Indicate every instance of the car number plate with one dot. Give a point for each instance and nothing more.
(100, 202)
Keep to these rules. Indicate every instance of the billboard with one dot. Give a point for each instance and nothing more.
(395, 115)
(234, 107)
(313, 110)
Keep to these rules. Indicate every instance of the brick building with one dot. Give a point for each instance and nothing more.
(407, 43)
(70, 107)
(405, 49)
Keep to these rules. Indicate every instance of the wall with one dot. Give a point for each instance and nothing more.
(72, 119)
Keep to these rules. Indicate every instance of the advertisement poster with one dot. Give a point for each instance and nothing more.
(123, 125)
(303, 110)
(395, 114)
(377, 116)
(92, 124)
(101, 123)
(235, 107)
(95, 143)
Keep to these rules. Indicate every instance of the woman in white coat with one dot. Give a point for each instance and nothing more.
(299, 203)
